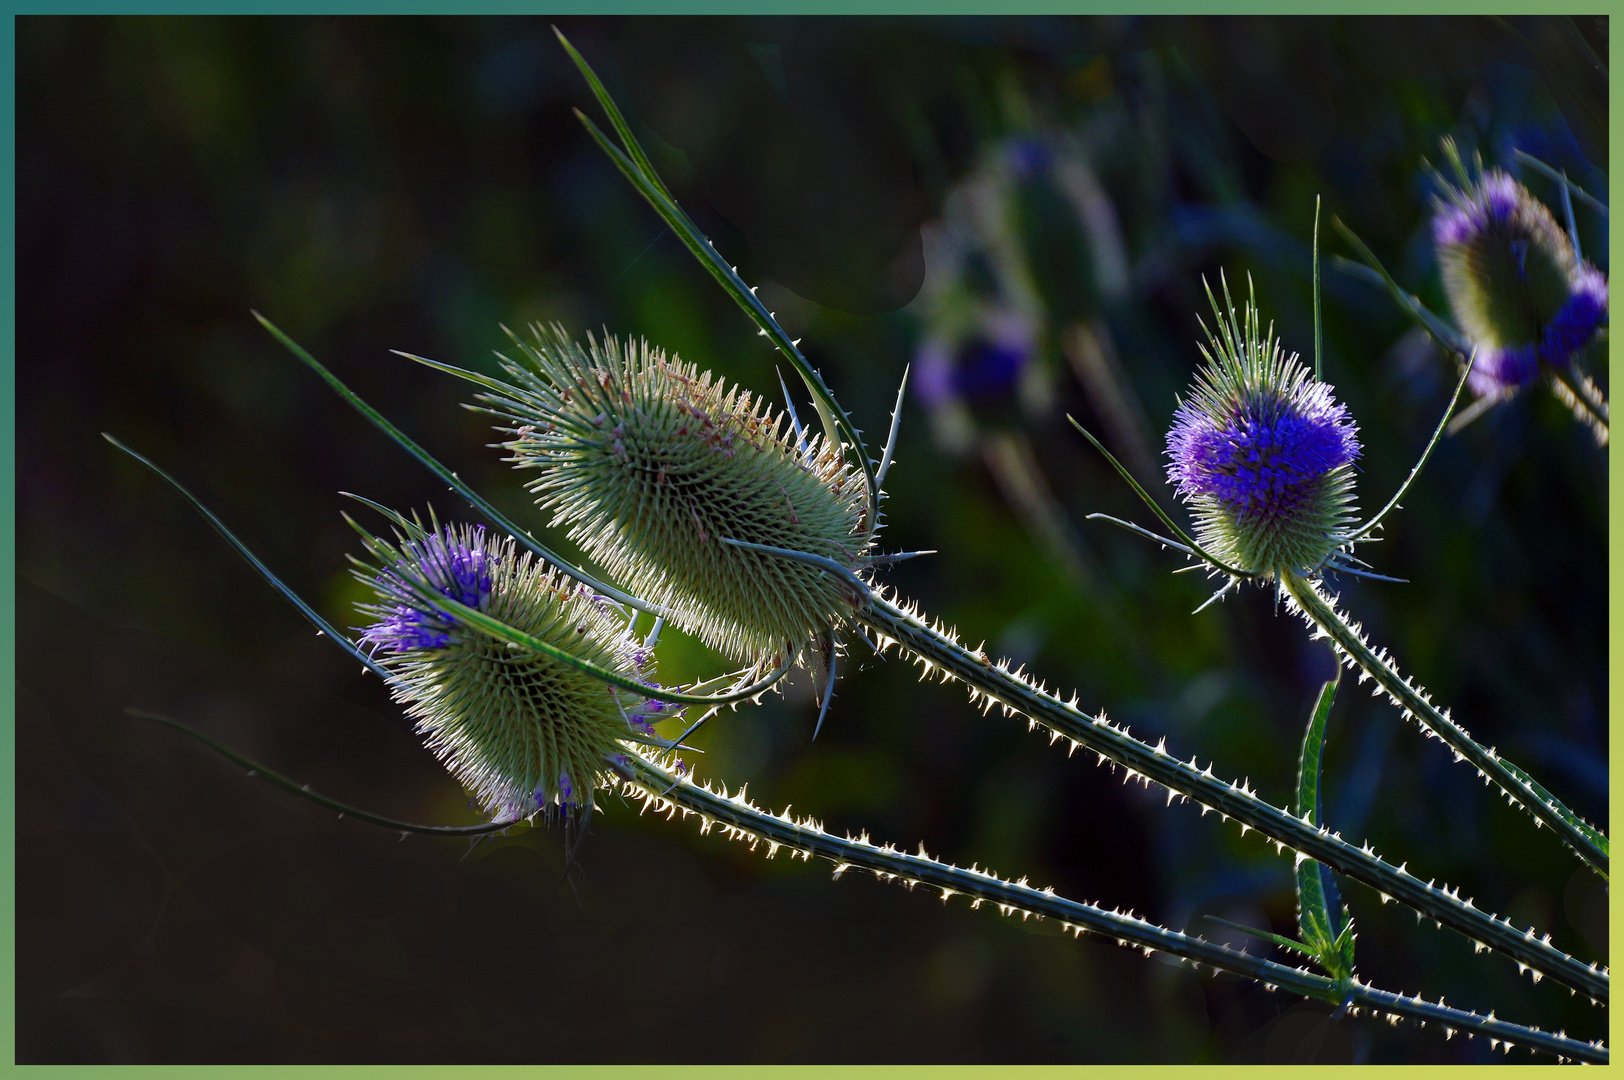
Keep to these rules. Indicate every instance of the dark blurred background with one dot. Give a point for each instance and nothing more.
(1022, 208)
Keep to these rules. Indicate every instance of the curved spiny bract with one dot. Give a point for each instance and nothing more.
(522, 730)
(652, 464)
(667, 791)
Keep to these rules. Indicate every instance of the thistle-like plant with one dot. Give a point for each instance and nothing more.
(651, 462)
(1262, 452)
(521, 729)
(1291, 481)
(1515, 282)
(1526, 303)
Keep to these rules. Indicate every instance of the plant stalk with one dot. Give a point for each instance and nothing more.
(1519, 787)
(937, 649)
(664, 790)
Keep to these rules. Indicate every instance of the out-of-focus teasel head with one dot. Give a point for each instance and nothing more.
(1026, 250)
(653, 465)
(1518, 289)
(1262, 452)
(522, 730)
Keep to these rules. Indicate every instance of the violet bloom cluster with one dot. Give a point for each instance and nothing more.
(1264, 458)
(1517, 288)
(1263, 454)
(457, 564)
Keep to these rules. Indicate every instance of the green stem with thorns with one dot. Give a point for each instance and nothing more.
(1590, 843)
(934, 648)
(661, 789)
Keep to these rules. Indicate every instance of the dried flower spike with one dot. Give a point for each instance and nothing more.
(1262, 453)
(522, 730)
(653, 464)
(1516, 286)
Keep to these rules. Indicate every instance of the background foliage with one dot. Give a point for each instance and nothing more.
(379, 183)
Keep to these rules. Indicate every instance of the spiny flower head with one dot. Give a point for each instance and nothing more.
(1262, 453)
(652, 463)
(1516, 286)
(522, 730)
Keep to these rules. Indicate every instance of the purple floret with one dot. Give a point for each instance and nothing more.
(459, 567)
(1262, 460)
(1574, 325)
(1492, 201)
(1498, 369)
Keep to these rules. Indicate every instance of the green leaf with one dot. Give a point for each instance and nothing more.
(1445, 334)
(1283, 942)
(450, 478)
(305, 609)
(1187, 540)
(634, 164)
(1320, 916)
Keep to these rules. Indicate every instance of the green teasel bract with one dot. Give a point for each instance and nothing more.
(522, 730)
(654, 465)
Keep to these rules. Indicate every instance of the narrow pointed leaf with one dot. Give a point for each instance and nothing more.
(1447, 335)
(303, 791)
(1316, 890)
(496, 517)
(1443, 422)
(253, 560)
(1157, 510)
(636, 167)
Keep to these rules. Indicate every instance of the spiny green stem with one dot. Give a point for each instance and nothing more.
(936, 649)
(662, 790)
(1586, 840)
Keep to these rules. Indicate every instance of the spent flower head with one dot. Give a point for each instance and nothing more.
(1516, 286)
(653, 464)
(1262, 452)
(524, 731)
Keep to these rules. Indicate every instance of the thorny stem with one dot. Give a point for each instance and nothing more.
(936, 649)
(665, 791)
(1519, 787)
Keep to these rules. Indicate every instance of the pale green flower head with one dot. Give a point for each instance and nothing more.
(652, 464)
(522, 730)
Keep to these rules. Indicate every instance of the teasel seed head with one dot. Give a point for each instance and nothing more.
(1516, 286)
(652, 463)
(1262, 453)
(523, 731)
